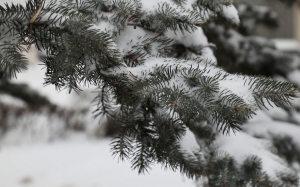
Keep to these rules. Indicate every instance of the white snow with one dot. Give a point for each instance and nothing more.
(294, 77)
(276, 113)
(34, 76)
(242, 145)
(278, 128)
(196, 38)
(76, 163)
(230, 13)
(189, 144)
(151, 6)
(22, 2)
(12, 101)
(287, 44)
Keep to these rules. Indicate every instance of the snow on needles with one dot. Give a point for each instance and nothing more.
(242, 145)
(231, 14)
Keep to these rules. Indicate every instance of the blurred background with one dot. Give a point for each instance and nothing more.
(50, 138)
(281, 23)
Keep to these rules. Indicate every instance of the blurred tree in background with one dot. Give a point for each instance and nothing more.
(241, 50)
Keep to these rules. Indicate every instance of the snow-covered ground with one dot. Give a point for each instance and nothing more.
(78, 162)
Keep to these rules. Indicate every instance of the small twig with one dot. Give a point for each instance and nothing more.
(112, 8)
(154, 38)
(133, 76)
(37, 13)
(132, 16)
(133, 24)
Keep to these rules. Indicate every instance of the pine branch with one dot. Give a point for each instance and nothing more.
(150, 93)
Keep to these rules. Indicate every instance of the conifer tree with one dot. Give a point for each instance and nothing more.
(158, 80)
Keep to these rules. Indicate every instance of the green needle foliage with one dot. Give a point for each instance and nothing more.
(152, 87)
